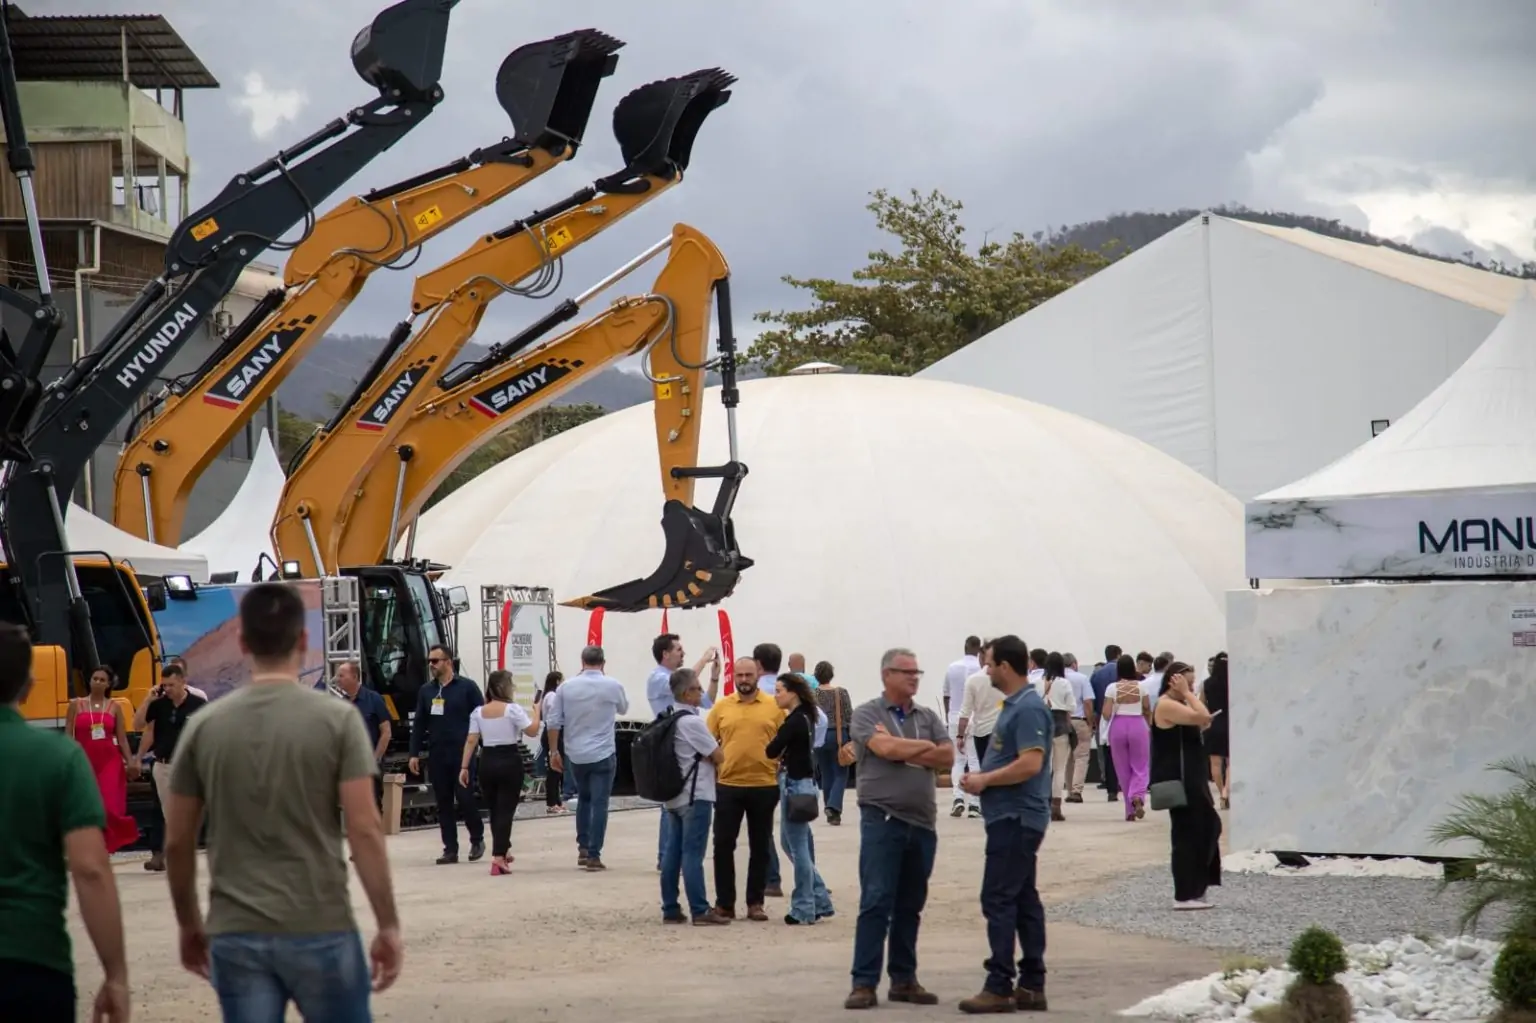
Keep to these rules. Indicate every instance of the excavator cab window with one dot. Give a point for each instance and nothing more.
(397, 632)
(118, 621)
(427, 614)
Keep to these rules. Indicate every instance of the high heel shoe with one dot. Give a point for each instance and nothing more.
(497, 869)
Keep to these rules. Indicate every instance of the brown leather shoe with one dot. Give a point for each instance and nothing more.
(712, 918)
(756, 914)
(861, 998)
(912, 993)
(729, 914)
(1029, 1001)
(595, 864)
(773, 891)
(156, 863)
(679, 919)
(581, 859)
(1056, 814)
(988, 1001)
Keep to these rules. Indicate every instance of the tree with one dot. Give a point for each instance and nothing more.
(932, 296)
(292, 431)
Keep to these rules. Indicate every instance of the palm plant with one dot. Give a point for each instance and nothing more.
(1503, 827)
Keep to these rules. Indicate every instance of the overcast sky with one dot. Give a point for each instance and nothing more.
(1412, 118)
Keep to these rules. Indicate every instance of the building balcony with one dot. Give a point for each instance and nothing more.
(105, 111)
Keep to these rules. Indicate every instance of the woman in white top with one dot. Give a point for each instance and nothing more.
(499, 727)
(1127, 710)
(1059, 695)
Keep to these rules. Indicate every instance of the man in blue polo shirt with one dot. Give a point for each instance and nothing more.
(1014, 784)
(375, 712)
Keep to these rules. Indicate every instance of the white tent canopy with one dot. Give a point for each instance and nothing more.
(1448, 489)
(88, 534)
(1252, 354)
(235, 541)
(880, 512)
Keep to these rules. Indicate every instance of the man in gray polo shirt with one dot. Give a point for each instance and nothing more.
(900, 744)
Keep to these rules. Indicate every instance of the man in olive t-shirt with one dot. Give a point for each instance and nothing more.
(275, 765)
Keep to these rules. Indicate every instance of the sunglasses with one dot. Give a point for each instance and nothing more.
(437, 660)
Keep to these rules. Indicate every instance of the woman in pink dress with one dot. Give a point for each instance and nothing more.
(97, 724)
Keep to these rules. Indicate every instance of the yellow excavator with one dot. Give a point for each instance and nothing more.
(547, 89)
(476, 401)
(86, 608)
(656, 126)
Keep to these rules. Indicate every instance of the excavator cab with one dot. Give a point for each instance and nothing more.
(548, 88)
(402, 50)
(702, 561)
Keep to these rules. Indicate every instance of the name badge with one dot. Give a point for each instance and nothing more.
(98, 731)
(437, 707)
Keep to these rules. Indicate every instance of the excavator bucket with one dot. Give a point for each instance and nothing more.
(548, 87)
(657, 123)
(700, 567)
(403, 49)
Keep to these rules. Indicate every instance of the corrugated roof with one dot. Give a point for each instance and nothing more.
(90, 47)
(1484, 289)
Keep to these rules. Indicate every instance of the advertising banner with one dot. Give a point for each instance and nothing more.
(1456, 534)
(527, 648)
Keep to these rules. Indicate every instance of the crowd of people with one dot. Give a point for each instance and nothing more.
(283, 775)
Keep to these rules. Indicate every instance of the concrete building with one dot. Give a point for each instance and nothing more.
(101, 97)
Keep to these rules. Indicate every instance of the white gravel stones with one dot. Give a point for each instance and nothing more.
(1399, 979)
(1328, 866)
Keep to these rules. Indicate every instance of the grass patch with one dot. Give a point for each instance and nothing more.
(1232, 965)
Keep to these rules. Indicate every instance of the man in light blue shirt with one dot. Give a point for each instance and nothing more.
(589, 705)
(667, 650)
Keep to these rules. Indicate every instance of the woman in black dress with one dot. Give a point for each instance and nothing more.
(1179, 755)
(1214, 696)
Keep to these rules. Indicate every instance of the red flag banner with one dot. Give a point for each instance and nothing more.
(664, 628)
(728, 652)
(508, 609)
(595, 627)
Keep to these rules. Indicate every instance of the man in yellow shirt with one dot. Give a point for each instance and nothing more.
(746, 786)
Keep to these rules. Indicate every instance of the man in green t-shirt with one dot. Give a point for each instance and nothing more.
(53, 821)
(276, 765)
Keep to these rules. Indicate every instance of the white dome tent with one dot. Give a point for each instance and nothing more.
(880, 512)
(235, 541)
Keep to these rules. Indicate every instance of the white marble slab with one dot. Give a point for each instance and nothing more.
(1460, 533)
(1361, 712)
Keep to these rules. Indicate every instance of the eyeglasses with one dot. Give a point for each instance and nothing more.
(437, 660)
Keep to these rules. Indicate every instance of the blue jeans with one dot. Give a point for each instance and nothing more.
(686, 836)
(810, 900)
(895, 859)
(834, 776)
(1011, 905)
(326, 976)
(595, 782)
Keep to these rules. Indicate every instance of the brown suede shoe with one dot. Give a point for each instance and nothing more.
(988, 1001)
(912, 993)
(1029, 1001)
(595, 864)
(1056, 814)
(712, 918)
(756, 914)
(581, 859)
(861, 998)
(729, 914)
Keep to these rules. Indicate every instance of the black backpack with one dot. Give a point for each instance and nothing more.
(653, 758)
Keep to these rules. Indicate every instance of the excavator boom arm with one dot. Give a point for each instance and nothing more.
(401, 54)
(201, 414)
(325, 482)
(671, 323)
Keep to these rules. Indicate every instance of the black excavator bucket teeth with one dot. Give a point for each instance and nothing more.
(403, 49)
(548, 87)
(657, 123)
(701, 567)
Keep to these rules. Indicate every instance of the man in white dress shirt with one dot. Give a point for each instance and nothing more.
(954, 694)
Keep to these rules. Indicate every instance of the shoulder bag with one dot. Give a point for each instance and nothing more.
(846, 754)
(1170, 795)
(803, 807)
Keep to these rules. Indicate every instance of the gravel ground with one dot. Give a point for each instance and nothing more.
(1261, 914)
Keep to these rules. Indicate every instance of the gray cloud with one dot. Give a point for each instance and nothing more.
(1033, 113)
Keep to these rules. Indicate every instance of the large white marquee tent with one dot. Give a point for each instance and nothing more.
(1253, 354)
(880, 512)
(89, 535)
(1463, 460)
(236, 540)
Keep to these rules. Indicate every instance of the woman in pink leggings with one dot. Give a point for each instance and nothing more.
(1127, 710)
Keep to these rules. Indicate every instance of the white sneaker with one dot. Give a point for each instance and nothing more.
(1192, 904)
(958, 809)
(974, 813)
